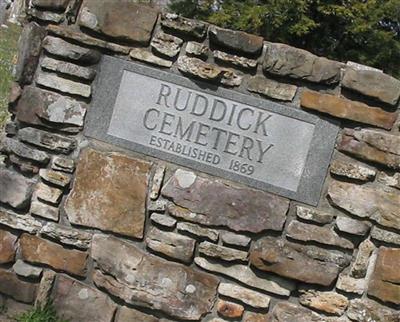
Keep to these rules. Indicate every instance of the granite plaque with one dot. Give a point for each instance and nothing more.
(218, 131)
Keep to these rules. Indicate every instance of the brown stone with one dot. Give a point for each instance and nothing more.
(314, 215)
(235, 60)
(275, 255)
(8, 247)
(183, 25)
(19, 290)
(255, 317)
(215, 203)
(16, 190)
(221, 252)
(352, 170)
(385, 279)
(244, 295)
(131, 315)
(363, 310)
(350, 284)
(145, 280)
(109, 193)
(40, 251)
(329, 302)
(20, 222)
(45, 288)
(360, 265)
(229, 309)
(348, 109)
(76, 301)
(129, 22)
(271, 88)
(367, 202)
(289, 312)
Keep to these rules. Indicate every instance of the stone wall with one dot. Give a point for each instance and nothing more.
(112, 235)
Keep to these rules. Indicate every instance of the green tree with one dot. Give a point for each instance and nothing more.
(365, 31)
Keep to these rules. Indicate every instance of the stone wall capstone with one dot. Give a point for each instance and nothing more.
(111, 233)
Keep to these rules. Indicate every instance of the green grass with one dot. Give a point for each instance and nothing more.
(45, 314)
(8, 51)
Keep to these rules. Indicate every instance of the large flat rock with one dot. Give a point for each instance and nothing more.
(109, 193)
(142, 279)
(216, 203)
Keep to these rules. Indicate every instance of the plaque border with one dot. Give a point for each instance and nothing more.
(105, 89)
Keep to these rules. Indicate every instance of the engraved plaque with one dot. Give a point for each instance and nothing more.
(219, 131)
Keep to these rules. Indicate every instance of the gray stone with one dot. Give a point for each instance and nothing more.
(182, 25)
(47, 16)
(352, 226)
(16, 190)
(126, 314)
(360, 265)
(157, 182)
(197, 231)
(239, 293)
(367, 202)
(46, 193)
(314, 215)
(61, 48)
(159, 205)
(51, 4)
(235, 60)
(44, 289)
(67, 235)
(245, 275)
(236, 40)
(22, 150)
(271, 88)
(145, 280)
(390, 180)
(55, 177)
(148, 57)
(374, 84)
(171, 244)
(284, 60)
(19, 290)
(276, 256)
(23, 269)
(385, 236)
(363, 310)
(350, 284)
(163, 220)
(30, 44)
(65, 111)
(289, 312)
(43, 210)
(166, 44)
(47, 140)
(63, 164)
(20, 222)
(68, 68)
(197, 49)
(25, 166)
(328, 302)
(222, 252)
(243, 209)
(323, 235)
(233, 239)
(63, 85)
(352, 170)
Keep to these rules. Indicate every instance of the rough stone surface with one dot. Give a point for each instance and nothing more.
(329, 302)
(130, 315)
(16, 190)
(166, 44)
(255, 317)
(29, 51)
(25, 166)
(171, 244)
(63, 164)
(352, 226)
(149, 281)
(245, 275)
(69, 295)
(24, 151)
(314, 215)
(254, 299)
(236, 40)
(350, 284)
(289, 312)
(159, 205)
(271, 88)
(68, 68)
(244, 209)
(44, 289)
(360, 265)
(385, 279)
(197, 231)
(61, 48)
(284, 60)
(229, 309)
(63, 85)
(157, 182)
(19, 290)
(46, 193)
(66, 235)
(148, 57)
(348, 109)
(274, 255)
(46, 16)
(163, 220)
(197, 49)
(8, 247)
(385, 236)
(39, 251)
(109, 193)
(235, 60)
(372, 145)
(19, 222)
(222, 252)
(23, 269)
(55, 177)
(232, 239)
(352, 170)
(362, 310)
(43, 210)
(51, 4)
(323, 235)
(367, 202)
(373, 84)
(390, 180)
(130, 22)
(182, 25)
